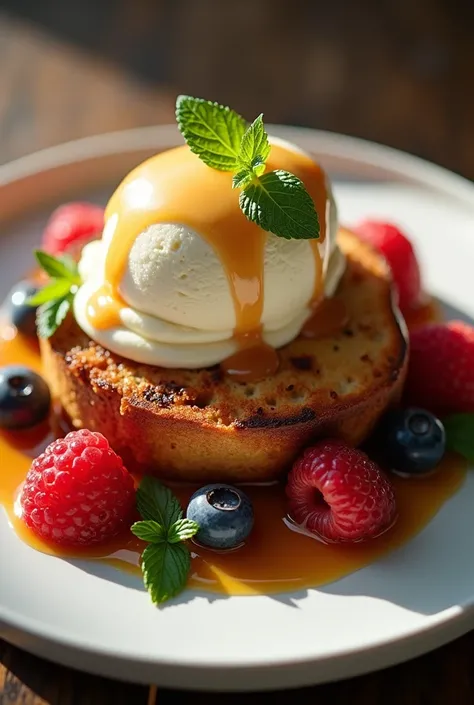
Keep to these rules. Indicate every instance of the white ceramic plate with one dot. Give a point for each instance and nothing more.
(411, 601)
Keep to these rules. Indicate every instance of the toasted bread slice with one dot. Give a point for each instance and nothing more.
(198, 425)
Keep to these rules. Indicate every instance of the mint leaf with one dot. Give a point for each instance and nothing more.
(280, 204)
(56, 289)
(149, 531)
(58, 268)
(50, 315)
(242, 178)
(254, 147)
(165, 568)
(460, 434)
(277, 201)
(158, 503)
(56, 297)
(166, 560)
(182, 530)
(69, 262)
(258, 165)
(212, 131)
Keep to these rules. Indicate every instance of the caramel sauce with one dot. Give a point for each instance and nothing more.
(428, 311)
(177, 187)
(328, 319)
(318, 293)
(275, 558)
(104, 306)
(254, 359)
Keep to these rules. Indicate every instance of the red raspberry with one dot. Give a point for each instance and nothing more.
(71, 226)
(77, 492)
(339, 494)
(441, 368)
(400, 255)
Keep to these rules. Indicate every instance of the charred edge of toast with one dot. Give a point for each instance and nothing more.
(259, 420)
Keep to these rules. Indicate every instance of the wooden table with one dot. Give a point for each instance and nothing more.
(396, 72)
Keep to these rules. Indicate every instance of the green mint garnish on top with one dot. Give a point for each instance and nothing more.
(212, 131)
(55, 299)
(277, 201)
(254, 152)
(166, 561)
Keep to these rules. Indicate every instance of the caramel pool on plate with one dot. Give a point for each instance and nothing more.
(275, 558)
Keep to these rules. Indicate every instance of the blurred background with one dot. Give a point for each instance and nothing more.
(400, 72)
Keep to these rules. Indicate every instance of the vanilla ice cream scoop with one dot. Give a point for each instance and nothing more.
(177, 297)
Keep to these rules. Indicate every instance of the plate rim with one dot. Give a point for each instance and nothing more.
(374, 156)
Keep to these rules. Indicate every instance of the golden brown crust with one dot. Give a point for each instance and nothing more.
(197, 425)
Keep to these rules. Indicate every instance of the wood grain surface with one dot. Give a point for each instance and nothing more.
(444, 677)
(398, 72)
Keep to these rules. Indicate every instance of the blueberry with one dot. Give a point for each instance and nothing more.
(20, 313)
(224, 514)
(413, 441)
(24, 397)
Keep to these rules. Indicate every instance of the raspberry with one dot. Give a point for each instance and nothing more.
(441, 368)
(77, 492)
(400, 255)
(71, 226)
(339, 494)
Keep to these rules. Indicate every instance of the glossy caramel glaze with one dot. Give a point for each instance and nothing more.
(177, 187)
(327, 320)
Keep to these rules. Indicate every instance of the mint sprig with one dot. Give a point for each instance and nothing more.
(460, 434)
(156, 502)
(55, 298)
(58, 267)
(254, 147)
(277, 201)
(50, 316)
(166, 561)
(165, 568)
(212, 131)
(149, 531)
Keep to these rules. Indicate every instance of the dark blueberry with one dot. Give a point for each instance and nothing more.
(24, 397)
(413, 441)
(224, 514)
(21, 314)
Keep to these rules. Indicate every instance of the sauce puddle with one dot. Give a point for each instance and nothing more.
(275, 559)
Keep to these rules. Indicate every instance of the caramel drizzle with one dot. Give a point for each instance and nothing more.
(176, 186)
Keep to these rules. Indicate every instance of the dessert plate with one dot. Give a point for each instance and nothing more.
(89, 616)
